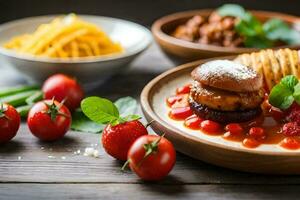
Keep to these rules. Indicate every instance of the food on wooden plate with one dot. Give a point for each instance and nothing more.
(9, 122)
(49, 120)
(61, 87)
(226, 99)
(272, 64)
(225, 91)
(151, 157)
(65, 37)
(120, 131)
(232, 26)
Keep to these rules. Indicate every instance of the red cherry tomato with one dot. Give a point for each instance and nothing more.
(193, 122)
(9, 122)
(62, 87)
(251, 143)
(155, 165)
(184, 89)
(290, 143)
(173, 99)
(180, 113)
(234, 128)
(210, 126)
(49, 120)
(257, 133)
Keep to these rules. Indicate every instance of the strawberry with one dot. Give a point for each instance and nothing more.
(116, 140)
(122, 128)
(291, 129)
(293, 113)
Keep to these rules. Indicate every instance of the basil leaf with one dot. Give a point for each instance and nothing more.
(99, 110)
(277, 29)
(81, 123)
(131, 117)
(126, 106)
(233, 10)
(243, 28)
(290, 82)
(281, 96)
(257, 42)
(296, 94)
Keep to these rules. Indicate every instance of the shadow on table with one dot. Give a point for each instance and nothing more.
(12, 147)
(62, 144)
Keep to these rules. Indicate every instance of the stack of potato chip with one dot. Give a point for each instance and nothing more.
(272, 64)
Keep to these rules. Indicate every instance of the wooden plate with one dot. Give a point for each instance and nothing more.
(270, 159)
(183, 51)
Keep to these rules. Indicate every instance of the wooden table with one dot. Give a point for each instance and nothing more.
(30, 169)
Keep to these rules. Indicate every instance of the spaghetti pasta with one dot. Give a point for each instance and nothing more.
(65, 37)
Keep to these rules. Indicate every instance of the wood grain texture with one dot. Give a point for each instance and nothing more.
(146, 191)
(36, 167)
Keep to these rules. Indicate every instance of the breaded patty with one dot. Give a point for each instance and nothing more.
(224, 117)
(225, 100)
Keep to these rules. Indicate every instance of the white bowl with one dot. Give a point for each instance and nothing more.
(89, 71)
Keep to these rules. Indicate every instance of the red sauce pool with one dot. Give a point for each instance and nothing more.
(271, 127)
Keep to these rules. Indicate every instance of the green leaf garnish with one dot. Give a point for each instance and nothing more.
(127, 107)
(103, 111)
(283, 94)
(296, 94)
(290, 82)
(99, 110)
(233, 10)
(255, 33)
(81, 123)
(276, 29)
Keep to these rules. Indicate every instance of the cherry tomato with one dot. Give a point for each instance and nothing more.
(9, 122)
(151, 157)
(210, 126)
(180, 113)
(250, 143)
(173, 99)
(234, 128)
(62, 87)
(49, 120)
(257, 133)
(184, 89)
(193, 122)
(290, 143)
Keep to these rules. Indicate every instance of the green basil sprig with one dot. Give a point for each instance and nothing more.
(257, 34)
(285, 93)
(103, 111)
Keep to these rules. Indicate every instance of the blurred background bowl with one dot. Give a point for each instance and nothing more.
(181, 51)
(89, 71)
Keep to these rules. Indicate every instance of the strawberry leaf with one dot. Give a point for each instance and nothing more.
(100, 110)
(126, 106)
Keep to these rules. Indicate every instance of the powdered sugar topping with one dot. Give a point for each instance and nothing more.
(228, 69)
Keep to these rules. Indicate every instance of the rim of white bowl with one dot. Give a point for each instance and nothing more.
(142, 46)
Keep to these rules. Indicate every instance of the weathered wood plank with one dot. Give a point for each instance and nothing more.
(145, 192)
(35, 166)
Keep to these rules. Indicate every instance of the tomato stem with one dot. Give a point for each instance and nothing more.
(125, 165)
(53, 109)
(3, 109)
(151, 148)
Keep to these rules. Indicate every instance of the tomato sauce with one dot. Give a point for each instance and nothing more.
(265, 129)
